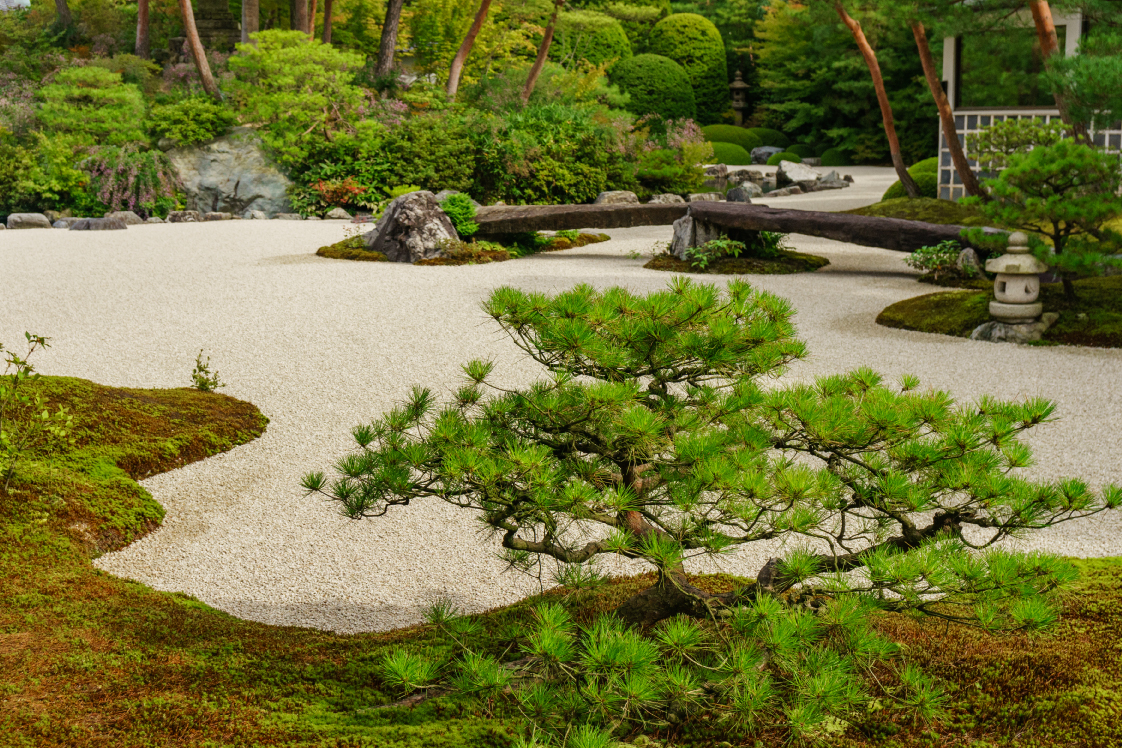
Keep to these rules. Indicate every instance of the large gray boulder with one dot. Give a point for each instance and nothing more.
(763, 153)
(99, 224)
(691, 232)
(791, 173)
(28, 221)
(231, 175)
(130, 218)
(412, 228)
(743, 193)
(66, 222)
(184, 216)
(616, 197)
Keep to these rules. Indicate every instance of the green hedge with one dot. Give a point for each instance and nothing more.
(694, 43)
(731, 154)
(834, 157)
(741, 136)
(927, 181)
(771, 137)
(802, 149)
(926, 166)
(657, 85)
(93, 104)
(590, 36)
(785, 156)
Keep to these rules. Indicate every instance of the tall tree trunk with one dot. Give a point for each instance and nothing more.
(312, 20)
(197, 50)
(251, 18)
(462, 53)
(142, 50)
(543, 53)
(389, 38)
(327, 21)
(300, 15)
(65, 19)
(946, 116)
(1050, 45)
(882, 97)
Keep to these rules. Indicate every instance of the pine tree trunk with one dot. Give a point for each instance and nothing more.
(142, 44)
(882, 97)
(462, 53)
(946, 116)
(543, 53)
(300, 15)
(1050, 45)
(251, 18)
(389, 38)
(197, 50)
(65, 19)
(312, 20)
(327, 21)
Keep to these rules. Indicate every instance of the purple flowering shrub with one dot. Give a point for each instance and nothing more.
(127, 178)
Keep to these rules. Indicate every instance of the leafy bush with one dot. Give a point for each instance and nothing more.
(144, 74)
(802, 150)
(460, 211)
(670, 156)
(656, 85)
(26, 422)
(352, 171)
(193, 120)
(993, 146)
(940, 260)
(439, 151)
(770, 137)
(592, 37)
(693, 42)
(835, 157)
(731, 154)
(740, 136)
(700, 256)
(775, 158)
(926, 175)
(93, 104)
(43, 174)
(127, 178)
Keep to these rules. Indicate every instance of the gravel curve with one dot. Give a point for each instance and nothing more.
(321, 345)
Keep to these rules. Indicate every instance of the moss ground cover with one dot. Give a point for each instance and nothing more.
(787, 262)
(87, 659)
(1093, 319)
(926, 209)
(465, 253)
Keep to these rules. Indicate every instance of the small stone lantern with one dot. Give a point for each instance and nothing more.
(739, 91)
(1017, 285)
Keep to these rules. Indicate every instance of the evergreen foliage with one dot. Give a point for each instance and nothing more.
(694, 43)
(926, 176)
(731, 154)
(595, 38)
(461, 212)
(775, 158)
(740, 136)
(656, 85)
(770, 137)
(801, 149)
(192, 120)
(835, 157)
(91, 103)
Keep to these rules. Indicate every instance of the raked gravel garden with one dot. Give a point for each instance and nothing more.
(321, 345)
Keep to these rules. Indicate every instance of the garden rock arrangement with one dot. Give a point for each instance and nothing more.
(231, 174)
(412, 228)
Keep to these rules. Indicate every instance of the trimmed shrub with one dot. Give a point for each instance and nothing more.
(731, 154)
(804, 150)
(193, 120)
(93, 104)
(593, 37)
(835, 157)
(741, 136)
(927, 181)
(694, 43)
(771, 137)
(657, 85)
(926, 166)
(785, 156)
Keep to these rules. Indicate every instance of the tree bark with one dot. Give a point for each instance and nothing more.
(389, 38)
(300, 15)
(1050, 45)
(327, 21)
(312, 21)
(882, 97)
(462, 53)
(251, 19)
(543, 53)
(197, 50)
(946, 116)
(142, 44)
(65, 19)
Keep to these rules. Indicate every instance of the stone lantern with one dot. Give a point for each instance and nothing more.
(739, 91)
(1017, 286)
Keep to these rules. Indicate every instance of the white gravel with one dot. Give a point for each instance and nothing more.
(321, 345)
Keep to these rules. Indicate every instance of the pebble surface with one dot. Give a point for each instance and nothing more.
(322, 345)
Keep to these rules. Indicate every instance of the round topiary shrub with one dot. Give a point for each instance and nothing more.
(834, 157)
(741, 136)
(590, 36)
(694, 43)
(657, 85)
(927, 181)
(785, 156)
(926, 166)
(730, 154)
(804, 150)
(771, 137)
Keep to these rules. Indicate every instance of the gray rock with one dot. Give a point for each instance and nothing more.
(1003, 332)
(338, 214)
(184, 216)
(99, 224)
(412, 228)
(741, 194)
(616, 197)
(968, 258)
(3, 227)
(705, 197)
(166, 144)
(848, 178)
(763, 153)
(445, 194)
(66, 222)
(28, 221)
(231, 175)
(255, 215)
(52, 215)
(785, 191)
(217, 216)
(746, 175)
(717, 170)
(690, 232)
(130, 218)
(289, 217)
(154, 219)
(666, 198)
(830, 184)
(791, 173)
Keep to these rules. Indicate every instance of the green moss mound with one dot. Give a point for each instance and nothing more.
(770, 137)
(835, 157)
(775, 158)
(470, 253)
(926, 181)
(801, 149)
(731, 154)
(352, 248)
(926, 209)
(1094, 319)
(593, 37)
(694, 43)
(786, 263)
(926, 166)
(657, 85)
(740, 136)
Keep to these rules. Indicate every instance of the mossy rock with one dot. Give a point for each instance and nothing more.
(695, 43)
(740, 136)
(785, 156)
(731, 154)
(926, 209)
(786, 263)
(657, 85)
